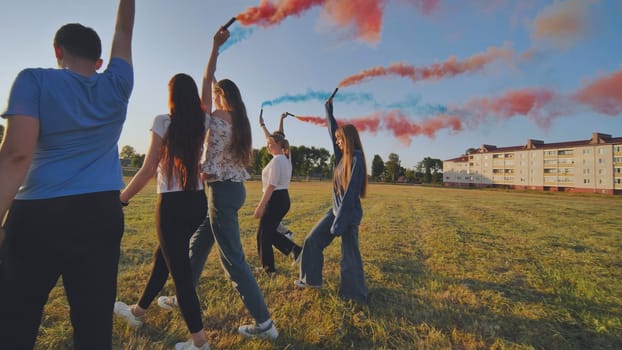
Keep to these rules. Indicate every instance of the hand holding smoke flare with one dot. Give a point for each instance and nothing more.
(230, 22)
(334, 93)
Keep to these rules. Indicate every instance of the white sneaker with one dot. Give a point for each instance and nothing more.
(125, 311)
(168, 302)
(303, 284)
(189, 345)
(253, 331)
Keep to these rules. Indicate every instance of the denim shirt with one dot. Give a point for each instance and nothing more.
(347, 205)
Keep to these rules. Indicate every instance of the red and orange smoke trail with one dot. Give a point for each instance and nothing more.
(538, 104)
(396, 122)
(363, 16)
(603, 95)
(268, 14)
(313, 120)
(449, 68)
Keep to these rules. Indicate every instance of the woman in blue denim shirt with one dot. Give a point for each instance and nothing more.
(343, 219)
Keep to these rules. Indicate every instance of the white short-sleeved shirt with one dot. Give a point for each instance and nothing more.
(160, 126)
(278, 172)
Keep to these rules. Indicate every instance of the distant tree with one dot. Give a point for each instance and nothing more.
(256, 165)
(127, 152)
(393, 167)
(377, 168)
(137, 160)
(432, 169)
(1, 133)
(295, 154)
(410, 176)
(469, 151)
(265, 157)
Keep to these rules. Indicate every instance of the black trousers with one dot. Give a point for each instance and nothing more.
(267, 234)
(178, 215)
(76, 237)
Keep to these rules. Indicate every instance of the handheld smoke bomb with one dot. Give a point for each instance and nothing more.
(230, 22)
(334, 93)
(261, 113)
(293, 115)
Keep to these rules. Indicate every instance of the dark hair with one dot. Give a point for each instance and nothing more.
(183, 143)
(241, 138)
(79, 41)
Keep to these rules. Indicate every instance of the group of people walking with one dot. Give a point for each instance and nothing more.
(64, 214)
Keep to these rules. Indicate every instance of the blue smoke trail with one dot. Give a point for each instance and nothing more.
(411, 103)
(347, 97)
(237, 34)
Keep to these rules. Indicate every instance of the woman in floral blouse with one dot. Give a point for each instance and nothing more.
(228, 153)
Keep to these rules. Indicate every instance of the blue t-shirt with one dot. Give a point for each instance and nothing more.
(80, 121)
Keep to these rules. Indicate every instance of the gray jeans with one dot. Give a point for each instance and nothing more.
(352, 284)
(225, 198)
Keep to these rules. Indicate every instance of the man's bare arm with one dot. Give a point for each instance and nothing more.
(122, 39)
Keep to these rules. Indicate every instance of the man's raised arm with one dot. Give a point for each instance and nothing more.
(122, 39)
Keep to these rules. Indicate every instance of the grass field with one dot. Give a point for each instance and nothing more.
(445, 268)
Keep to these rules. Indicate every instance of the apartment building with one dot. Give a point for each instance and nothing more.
(593, 165)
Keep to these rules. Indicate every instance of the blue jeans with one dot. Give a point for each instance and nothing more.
(352, 284)
(201, 244)
(225, 198)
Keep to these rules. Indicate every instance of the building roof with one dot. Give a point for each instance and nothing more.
(597, 139)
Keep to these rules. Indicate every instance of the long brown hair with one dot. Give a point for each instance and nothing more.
(241, 140)
(183, 143)
(351, 142)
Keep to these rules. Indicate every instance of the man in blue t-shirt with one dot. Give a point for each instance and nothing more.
(60, 185)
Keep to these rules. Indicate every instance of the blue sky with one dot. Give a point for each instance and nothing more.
(572, 45)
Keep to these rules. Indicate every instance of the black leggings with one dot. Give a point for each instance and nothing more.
(178, 214)
(267, 234)
(76, 237)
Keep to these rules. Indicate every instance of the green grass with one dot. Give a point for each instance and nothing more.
(445, 268)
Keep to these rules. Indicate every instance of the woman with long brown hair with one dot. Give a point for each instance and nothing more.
(174, 154)
(343, 219)
(228, 154)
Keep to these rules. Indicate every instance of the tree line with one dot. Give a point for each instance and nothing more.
(318, 163)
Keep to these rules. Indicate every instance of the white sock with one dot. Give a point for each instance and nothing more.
(264, 324)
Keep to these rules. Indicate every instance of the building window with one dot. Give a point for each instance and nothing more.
(601, 151)
(601, 161)
(586, 151)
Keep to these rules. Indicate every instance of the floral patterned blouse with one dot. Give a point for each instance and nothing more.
(220, 164)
